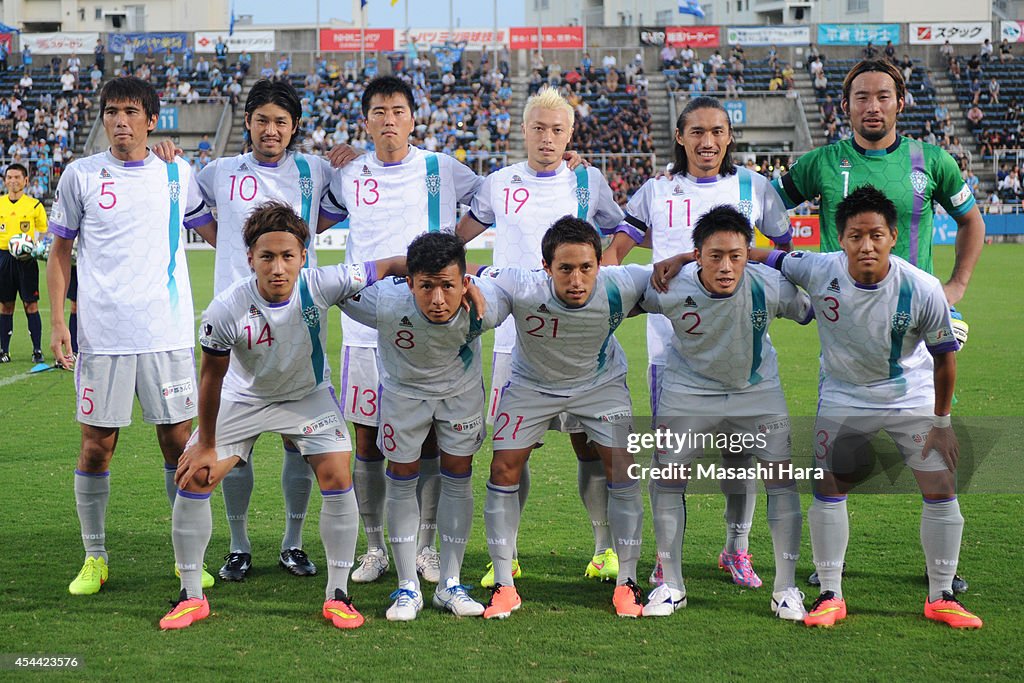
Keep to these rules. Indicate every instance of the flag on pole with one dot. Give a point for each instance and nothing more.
(691, 7)
(395, 2)
(231, 22)
(362, 4)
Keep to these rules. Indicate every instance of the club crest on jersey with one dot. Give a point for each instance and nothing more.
(844, 163)
(746, 207)
(759, 319)
(900, 322)
(834, 285)
(104, 173)
(583, 196)
(174, 190)
(433, 183)
(306, 187)
(517, 180)
(615, 319)
(366, 171)
(311, 316)
(919, 181)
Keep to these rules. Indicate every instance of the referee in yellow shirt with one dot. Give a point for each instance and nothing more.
(19, 213)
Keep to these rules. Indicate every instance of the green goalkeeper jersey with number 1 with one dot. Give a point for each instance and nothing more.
(911, 173)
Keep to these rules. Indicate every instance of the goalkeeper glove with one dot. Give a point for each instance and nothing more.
(960, 326)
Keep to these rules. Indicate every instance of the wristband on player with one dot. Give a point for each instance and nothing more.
(942, 421)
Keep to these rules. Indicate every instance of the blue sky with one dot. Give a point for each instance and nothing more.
(422, 13)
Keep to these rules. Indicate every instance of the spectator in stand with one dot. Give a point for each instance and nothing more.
(711, 84)
(986, 50)
(537, 63)
(993, 91)
(947, 52)
(3, 57)
(1005, 52)
(284, 65)
(730, 86)
(773, 56)
(128, 55)
(669, 57)
(972, 182)
(816, 66)
(907, 66)
(183, 90)
(221, 52)
(588, 64)
(870, 52)
(609, 62)
(95, 77)
(820, 84)
(716, 61)
(975, 90)
(267, 71)
(245, 62)
(67, 81)
(26, 81)
(687, 54)
(203, 68)
(890, 51)
(954, 70)
(1010, 186)
(26, 59)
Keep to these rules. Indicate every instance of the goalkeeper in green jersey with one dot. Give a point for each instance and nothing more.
(913, 174)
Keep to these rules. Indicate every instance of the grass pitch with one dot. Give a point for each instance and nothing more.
(269, 627)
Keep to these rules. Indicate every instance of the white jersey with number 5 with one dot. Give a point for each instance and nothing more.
(278, 349)
(134, 294)
(667, 208)
(237, 185)
(720, 343)
(875, 339)
(566, 351)
(390, 204)
(523, 203)
(418, 358)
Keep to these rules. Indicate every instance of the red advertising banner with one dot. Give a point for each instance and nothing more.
(352, 40)
(554, 37)
(694, 36)
(805, 231)
(5, 39)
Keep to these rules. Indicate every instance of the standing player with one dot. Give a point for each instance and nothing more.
(522, 201)
(390, 197)
(431, 377)
(265, 370)
(235, 186)
(19, 213)
(912, 174)
(127, 209)
(661, 216)
(888, 362)
(566, 359)
(722, 376)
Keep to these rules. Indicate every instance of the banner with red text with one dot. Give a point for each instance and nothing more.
(554, 38)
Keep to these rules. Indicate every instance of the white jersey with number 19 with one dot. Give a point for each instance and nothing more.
(134, 294)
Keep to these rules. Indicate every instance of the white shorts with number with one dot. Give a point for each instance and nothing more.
(164, 381)
(605, 414)
(501, 373)
(759, 417)
(314, 424)
(841, 432)
(405, 422)
(360, 385)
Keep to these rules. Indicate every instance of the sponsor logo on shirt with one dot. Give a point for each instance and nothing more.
(617, 415)
(188, 402)
(517, 180)
(253, 313)
(405, 322)
(678, 190)
(178, 388)
(690, 303)
(366, 171)
(774, 426)
(321, 423)
(104, 173)
(834, 285)
(843, 163)
(243, 167)
(543, 309)
(960, 197)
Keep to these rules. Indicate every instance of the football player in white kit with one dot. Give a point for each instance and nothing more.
(390, 196)
(235, 185)
(265, 370)
(566, 360)
(127, 208)
(722, 376)
(431, 375)
(522, 201)
(888, 363)
(661, 216)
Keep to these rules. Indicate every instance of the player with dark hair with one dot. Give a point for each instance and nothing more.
(912, 174)
(661, 217)
(264, 370)
(127, 209)
(19, 276)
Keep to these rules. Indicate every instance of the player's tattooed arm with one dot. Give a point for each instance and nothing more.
(941, 437)
(339, 155)
(665, 270)
(166, 150)
(198, 460)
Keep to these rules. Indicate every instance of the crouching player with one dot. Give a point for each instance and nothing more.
(566, 359)
(431, 376)
(888, 363)
(264, 370)
(723, 378)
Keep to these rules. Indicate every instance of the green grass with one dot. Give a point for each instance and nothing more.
(269, 626)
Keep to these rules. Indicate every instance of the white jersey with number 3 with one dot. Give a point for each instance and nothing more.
(523, 203)
(237, 185)
(390, 204)
(667, 209)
